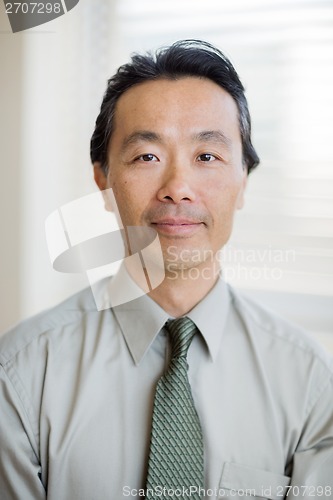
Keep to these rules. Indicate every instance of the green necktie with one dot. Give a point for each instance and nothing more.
(176, 448)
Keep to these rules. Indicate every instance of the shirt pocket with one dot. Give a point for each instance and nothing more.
(240, 481)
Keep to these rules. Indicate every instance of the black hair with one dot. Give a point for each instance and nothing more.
(182, 59)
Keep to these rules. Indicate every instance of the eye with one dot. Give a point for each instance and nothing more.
(207, 157)
(147, 157)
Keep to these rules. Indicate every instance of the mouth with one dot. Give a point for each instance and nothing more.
(177, 226)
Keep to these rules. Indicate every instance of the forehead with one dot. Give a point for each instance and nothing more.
(191, 102)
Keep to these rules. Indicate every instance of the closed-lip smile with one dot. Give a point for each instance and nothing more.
(177, 226)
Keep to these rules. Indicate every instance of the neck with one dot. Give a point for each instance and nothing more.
(178, 296)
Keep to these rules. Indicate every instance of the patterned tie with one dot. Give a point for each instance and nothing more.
(176, 447)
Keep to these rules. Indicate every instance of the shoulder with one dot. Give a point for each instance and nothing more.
(287, 339)
(66, 315)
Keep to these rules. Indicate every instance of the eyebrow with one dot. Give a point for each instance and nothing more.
(213, 136)
(141, 136)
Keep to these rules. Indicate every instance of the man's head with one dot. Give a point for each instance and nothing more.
(182, 59)
(173, 142)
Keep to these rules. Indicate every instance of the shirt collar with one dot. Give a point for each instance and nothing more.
(210, 316)
(141, 319)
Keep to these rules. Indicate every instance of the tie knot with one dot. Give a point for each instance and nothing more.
(181, 332)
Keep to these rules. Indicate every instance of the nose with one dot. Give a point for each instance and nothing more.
(176, 185)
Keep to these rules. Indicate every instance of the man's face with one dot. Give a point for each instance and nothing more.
(175, 164)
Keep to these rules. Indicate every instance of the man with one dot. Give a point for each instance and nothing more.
(90, 400)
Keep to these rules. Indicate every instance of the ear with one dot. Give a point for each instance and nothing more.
(101, 180)
(99, 176)
(240, 198)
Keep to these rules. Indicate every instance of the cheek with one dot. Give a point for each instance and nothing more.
(224, 194)
(119, 187)
(224, 200)
(131, 201)
(119, 202)
(123, 185)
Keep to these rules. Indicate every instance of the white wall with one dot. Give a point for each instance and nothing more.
(55, 76)
(10, 138)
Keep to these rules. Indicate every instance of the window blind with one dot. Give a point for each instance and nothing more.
(283, 52)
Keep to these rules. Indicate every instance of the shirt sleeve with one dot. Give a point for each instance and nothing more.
(20, 470)
(312, 475)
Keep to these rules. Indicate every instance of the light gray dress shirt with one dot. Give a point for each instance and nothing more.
(77, 388)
